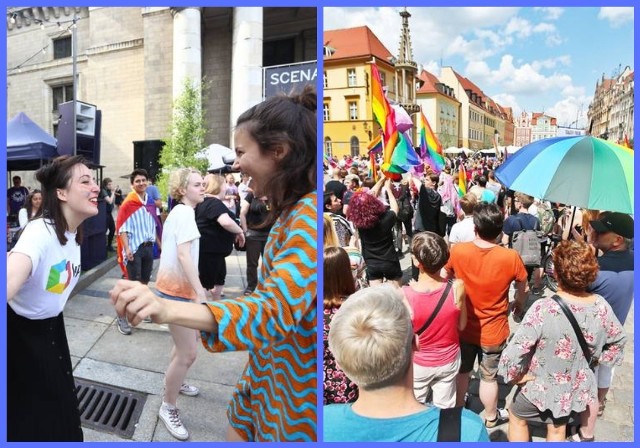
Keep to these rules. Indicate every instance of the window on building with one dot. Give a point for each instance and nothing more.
(62, 47)
(61, 94)
(325, 112)
(383, 78)
(353, 110)
(328, 149)
(325, 82)
(351, 77)
(355, 146)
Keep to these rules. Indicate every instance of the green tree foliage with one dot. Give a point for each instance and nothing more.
(186, 135)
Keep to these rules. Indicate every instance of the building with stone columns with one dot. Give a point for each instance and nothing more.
(131, 63)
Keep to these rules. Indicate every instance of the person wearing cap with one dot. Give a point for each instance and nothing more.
(336, 184)
(612, 234)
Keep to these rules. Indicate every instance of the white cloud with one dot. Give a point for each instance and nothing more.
(554, 40)
(544, 28)
(432, 67)
(571, 111)
(524, 29)
(477, 70)
(507, 100)
(519, 27)
(616, 16)
(550, 13)
(525, 79)
(551, 62)
(468, 49)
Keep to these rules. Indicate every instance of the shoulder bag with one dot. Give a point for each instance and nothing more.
(592, 361)
(450, 424)
(438, 306)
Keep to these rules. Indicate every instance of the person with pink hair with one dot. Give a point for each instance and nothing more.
(450, 207)
(374, 224)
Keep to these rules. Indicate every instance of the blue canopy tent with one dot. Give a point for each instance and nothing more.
(28, 145)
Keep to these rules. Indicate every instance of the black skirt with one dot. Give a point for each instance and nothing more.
(41, 399)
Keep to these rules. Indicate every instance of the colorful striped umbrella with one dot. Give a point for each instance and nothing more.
(583, 171)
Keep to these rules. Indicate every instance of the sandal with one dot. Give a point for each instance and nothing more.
(578, 437)
(601, 407)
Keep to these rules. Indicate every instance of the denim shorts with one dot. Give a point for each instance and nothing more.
(169, 297)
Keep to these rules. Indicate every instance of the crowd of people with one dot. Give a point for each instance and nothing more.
(274, 320)
(399, 348)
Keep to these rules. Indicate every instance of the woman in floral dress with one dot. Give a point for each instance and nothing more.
(338, 285)
(544, 356)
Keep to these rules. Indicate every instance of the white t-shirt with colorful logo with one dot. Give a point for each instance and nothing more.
(55, 271)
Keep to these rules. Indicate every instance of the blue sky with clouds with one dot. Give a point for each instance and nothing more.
(533, 59)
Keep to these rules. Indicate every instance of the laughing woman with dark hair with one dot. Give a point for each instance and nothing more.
(275, 399)
(375, 223)
(42, 270)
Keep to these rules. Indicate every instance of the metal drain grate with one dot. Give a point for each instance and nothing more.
(109, 409)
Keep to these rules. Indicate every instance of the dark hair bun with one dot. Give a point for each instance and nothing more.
(308, 98)
(52, 175)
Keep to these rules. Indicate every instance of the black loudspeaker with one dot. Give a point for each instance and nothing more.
(93, 250)
(146, 155)
(88, 125)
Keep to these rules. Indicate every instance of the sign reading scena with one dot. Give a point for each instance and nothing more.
(289, 78)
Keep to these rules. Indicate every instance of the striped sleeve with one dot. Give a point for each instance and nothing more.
(286, 295)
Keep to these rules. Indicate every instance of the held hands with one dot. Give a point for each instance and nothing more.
(136, 301)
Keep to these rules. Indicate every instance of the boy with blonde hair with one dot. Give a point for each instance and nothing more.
(372, 340)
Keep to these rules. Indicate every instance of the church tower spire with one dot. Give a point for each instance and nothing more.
(406, 68)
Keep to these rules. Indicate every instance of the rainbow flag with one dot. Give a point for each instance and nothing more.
(430, 146)
(373, 172)
(462, 181)
(404, 156)
(384, 115)
(375, 145)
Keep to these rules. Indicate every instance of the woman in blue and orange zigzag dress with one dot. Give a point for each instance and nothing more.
(275, 399)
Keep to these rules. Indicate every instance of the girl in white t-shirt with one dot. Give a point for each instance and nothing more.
(178, 280)
(42, 270)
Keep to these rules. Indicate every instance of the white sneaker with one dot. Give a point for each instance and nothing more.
(189, 390)
(170, 416)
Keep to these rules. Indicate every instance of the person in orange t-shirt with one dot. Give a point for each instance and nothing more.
(487, 270)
